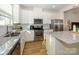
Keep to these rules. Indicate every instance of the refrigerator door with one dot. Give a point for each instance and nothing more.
(57, 25)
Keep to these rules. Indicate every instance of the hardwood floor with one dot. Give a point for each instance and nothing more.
(34, 48)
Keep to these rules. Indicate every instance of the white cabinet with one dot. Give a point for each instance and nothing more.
(26, 36)
(50, 42)
(16, 13)
(55, 46)
(22, 42)
(29, 35)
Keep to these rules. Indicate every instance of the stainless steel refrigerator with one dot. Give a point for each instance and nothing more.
(56, 24)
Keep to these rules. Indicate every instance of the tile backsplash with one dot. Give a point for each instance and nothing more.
(3, 30)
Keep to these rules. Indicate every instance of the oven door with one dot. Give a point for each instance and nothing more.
(38, 35)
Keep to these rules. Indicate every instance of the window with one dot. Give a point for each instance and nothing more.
(4, 20)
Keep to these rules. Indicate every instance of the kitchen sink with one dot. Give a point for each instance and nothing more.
(11, 35)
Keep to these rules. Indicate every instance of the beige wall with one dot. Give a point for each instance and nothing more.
(73, 17)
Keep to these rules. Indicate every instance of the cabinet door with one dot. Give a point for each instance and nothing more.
(52, 24)
(61, 25)
(16, 50)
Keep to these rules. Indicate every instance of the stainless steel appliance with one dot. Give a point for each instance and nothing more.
(38, 29)
(56, 25)
(38, 21)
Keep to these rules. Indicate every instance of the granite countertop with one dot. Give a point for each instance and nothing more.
(67, 37)
(7, 43)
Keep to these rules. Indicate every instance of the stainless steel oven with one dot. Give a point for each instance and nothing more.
(38, 29)
(38, 35)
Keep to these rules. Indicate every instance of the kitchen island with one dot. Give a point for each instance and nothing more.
(62, 43)
(7, 44)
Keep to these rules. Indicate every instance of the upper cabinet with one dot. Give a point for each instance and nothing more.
(16, 13)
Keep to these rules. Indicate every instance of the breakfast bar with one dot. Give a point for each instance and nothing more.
(62, 43)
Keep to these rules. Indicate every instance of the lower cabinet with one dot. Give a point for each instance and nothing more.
(16, 49)
(22, 43)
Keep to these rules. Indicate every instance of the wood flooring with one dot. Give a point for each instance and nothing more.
(34, 48)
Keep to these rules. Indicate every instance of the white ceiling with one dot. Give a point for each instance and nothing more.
(46, 6)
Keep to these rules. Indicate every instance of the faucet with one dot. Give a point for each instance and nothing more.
(7, 30)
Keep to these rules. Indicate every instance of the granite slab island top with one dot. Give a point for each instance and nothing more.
(67, 37)
(7, 43)
(62, 43)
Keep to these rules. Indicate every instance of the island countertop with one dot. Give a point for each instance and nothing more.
(7, 43)
(62, 42)
(67, 37)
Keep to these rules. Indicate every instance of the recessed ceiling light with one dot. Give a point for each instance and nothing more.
(53, 6)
